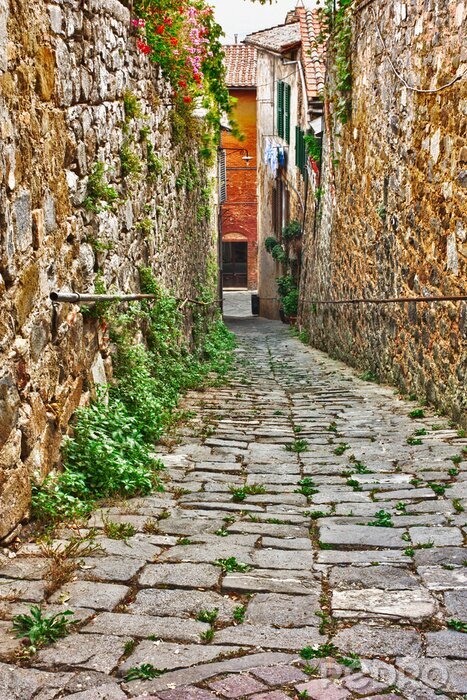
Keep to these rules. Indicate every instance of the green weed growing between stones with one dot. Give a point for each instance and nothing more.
(297, 446)
(457, 625)
(239, 614)
(143, 672)
(307, 487)
(111, 450)
(40, 629)
(383, 519)
(231, 564)
(118, 531)
(209, 616)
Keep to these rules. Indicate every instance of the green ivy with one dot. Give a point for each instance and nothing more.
(336, 16)
(99, 194)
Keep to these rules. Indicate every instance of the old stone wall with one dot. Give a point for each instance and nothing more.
(394, 207)
(65, 68)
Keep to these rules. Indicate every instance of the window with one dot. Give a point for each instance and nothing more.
(283, 110)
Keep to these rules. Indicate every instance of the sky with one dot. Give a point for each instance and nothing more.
(243, 16)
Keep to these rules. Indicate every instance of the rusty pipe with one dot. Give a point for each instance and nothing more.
(76, 298)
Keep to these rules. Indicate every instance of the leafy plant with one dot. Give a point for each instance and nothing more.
(40, 629)
(361, 468)
(307, 487)
(329, 649)
(290, 303)
(143, 672)
(99, 194)
(414, 440)
(417, 413)
(292, 231)
(278, 253)
(130, 162)
(340, 449)
(118, 531)
(439, 489)
(356, 486)
(209, 616)
(208, 635)
(231, 564)
(383, 519)
(240, 494)
(132, 106)
(270, 243)
(316, 514)
(297, 446)
(313, 147)
(239, 613)
(370, 376)
(457, 625)
(457, 505)
(154, 163)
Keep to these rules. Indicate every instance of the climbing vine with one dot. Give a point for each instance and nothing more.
(336, 17)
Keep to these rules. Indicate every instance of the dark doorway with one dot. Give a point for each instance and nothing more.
(235, 265)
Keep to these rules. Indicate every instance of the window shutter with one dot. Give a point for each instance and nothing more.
(287, 91)
(280, 108)
(222, 177)
(303, 154)
(297, 146)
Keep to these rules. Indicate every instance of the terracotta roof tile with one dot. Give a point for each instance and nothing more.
(279, 39)
(313, 55)
(240, 61)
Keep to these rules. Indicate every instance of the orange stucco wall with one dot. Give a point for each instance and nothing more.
(239, 213)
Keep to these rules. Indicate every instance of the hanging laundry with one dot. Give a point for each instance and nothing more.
(271, 157)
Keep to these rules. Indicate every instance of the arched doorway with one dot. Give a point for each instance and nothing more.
(234, 261)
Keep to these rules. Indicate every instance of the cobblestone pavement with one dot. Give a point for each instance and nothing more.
(309, 558)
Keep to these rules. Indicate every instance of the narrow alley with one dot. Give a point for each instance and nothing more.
(308, 544)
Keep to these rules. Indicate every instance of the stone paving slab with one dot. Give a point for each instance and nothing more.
(180, 576)
(144, 626)
(169, 656)
(413, 605)
(181, 603)
(95, 652)
(82, 594)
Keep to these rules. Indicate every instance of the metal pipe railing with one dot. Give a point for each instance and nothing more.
(76, 298)
(82, 299)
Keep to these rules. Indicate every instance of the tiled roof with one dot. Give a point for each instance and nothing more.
(278, 39)
(240, 61)
(313, 55)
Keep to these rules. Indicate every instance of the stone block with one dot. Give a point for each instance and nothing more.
(166, 655)
(22, 221)
(416, 605)
(9, 407)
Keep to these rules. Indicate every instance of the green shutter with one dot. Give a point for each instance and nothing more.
(287, 92)
(280, 108)
(300, 150)
(297, 146)
(304, 158)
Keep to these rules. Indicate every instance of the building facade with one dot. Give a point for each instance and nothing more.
(239, 210)
(290, 76)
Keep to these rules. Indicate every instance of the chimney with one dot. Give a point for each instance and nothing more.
(236, 38)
